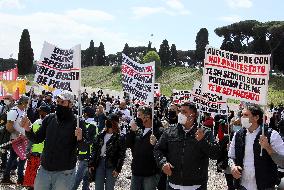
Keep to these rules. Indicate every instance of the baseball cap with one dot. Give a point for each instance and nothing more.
(66, 95)
(45, 108)
(89, 111)
(48, 94)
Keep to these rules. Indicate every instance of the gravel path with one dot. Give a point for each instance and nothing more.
(216, 180)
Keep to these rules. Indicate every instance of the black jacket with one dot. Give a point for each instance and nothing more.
(115, 151)
(60, 142)
(143, 162)
(189, 157)
(84, 151)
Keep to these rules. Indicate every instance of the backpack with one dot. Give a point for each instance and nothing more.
(4, 133)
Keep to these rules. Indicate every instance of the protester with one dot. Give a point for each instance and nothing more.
(62, 137)
(251, 169)
(124, 112)
(108, 155)
(34, 151)
(9, 103)
(173, 115)
(208, 121)
(100, 117)
(145, 172)
(13, 125)
(183, 152)
(48, 100)
(84, 151)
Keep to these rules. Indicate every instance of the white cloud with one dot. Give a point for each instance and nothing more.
(140, 12)
(177, 6)
(239, 3)
(11, 4)
(231, 19)
(61, 29)
(89, 15)
(172, 8)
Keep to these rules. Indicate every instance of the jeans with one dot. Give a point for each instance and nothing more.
(11, 161)
(104, 175)
(54, 180)
(82, 173)
(144, 183)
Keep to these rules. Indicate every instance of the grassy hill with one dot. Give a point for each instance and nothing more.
(179, 78)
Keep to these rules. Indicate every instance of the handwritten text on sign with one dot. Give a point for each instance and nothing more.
(181, 96)
(59, 68)
(208, 102)
(138, 79)
(237, 76)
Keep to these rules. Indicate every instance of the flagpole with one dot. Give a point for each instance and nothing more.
(153, 104)
(79, 91)
(228, 111)
(262, 129)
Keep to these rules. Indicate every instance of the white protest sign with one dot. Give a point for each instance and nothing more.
(238, 76)
(138, 79)
(59, 68)
(208, 102)
(181, 96)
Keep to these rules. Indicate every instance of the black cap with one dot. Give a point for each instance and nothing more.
(89, 111)
(113, 117)
(45, 108)
(48, 94)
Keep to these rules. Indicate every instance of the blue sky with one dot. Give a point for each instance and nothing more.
(116, 22)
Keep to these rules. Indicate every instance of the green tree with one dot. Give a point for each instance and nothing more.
(25, 55)
(278, 55)
(126, 50)
(149, 48)
(101, 58)
(165, 53)
(90, 55)
(201, 42)
(153, 56)
(174, 55)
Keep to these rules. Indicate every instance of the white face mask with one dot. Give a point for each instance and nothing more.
(245, 122)
(182, 119)
(7, 102)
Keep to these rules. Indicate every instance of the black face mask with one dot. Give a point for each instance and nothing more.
(172, 114)
(63, 112)
(139, 123)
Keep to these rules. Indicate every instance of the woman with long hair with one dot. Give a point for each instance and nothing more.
(107, 155)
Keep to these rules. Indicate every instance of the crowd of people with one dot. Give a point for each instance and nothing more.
(170, 145)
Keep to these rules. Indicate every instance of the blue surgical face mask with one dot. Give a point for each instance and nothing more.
(236, 128)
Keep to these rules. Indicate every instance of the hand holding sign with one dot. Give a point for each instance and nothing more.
(26, 123)
(78, 133)
(199, 135)
(153, 140)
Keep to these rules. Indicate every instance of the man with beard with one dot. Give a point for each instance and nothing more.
(62, 136)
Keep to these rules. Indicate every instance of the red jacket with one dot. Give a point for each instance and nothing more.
(209, 122)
